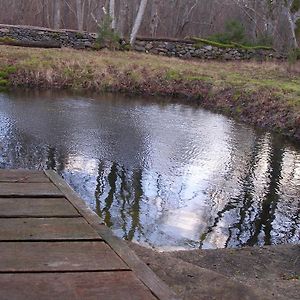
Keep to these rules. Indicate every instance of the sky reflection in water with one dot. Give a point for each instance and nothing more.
(169, 176)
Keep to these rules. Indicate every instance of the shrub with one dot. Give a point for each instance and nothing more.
(79, 35)
(294, 56)
(295, 6)
(265, 40)
(55, 35)
(297, 30)
(107, 37)
(234, 32)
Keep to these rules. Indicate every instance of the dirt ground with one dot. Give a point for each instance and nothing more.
(249, 273)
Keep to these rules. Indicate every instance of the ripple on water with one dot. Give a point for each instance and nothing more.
(168, 176)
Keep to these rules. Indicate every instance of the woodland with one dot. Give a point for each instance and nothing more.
(266, 22)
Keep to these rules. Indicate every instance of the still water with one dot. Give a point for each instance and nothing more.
(165, 175)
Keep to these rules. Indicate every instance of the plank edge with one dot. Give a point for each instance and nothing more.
(158, 288)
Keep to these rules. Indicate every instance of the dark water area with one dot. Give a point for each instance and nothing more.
(166, 175)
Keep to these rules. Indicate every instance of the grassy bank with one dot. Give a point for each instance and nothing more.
(261, 94)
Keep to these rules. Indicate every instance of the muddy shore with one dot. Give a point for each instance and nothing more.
(271, 272)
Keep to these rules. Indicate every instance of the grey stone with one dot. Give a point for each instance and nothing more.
(170, 46)
(80, 40)
(139, 48)
(153, 51)
(78, 46)
(228, 56)
(148, 46)
(208, 48)
(187, 56)
(4, 30)
(164, 50)
(140, 43)
(88, 44)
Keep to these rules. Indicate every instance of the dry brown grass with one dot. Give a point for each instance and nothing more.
(84, 66)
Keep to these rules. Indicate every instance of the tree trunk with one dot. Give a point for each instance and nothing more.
(138, 21)
(254, 28)
(80, 14)
(57, 14)
(112, 14)
(292, 24)
(154, 18)
(123, 21)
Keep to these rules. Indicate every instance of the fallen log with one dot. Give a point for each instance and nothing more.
(31, 44)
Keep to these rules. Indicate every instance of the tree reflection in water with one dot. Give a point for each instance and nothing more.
(167, 176)
(253, 216)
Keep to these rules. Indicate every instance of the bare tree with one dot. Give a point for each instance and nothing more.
(112, 6)
(57, 14)
(154, 18)
(275, 18)
(185, 18)
(80, 4)
(292, 12)
(138, 21)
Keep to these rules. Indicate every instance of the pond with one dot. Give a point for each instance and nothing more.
(166, 175)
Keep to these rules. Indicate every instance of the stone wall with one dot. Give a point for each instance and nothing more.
(189, 49)
(65, 38)
(166, 47)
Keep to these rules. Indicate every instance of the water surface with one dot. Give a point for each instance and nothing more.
(170, 176)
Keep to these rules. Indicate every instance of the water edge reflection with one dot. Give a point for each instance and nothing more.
(170, 176)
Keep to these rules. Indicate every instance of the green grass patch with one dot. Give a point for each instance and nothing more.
(79, 35)
(201, 42)
(173, 75)
(288, 86)
(3, 82)
(55, 35)
(199, 78)
(4, 76)
(6, 40)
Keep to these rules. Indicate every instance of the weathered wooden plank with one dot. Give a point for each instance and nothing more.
(35, 229)
(22, 176)
(58, 257)
(36, 207)
(141, 270)
(29, 190)
(63, 286)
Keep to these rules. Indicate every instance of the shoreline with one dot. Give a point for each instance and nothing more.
(269, 272)
(261, 94)
(264, 95)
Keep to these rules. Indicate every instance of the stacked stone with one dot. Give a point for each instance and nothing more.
(66, 38)
(189, 50)
(168, 47)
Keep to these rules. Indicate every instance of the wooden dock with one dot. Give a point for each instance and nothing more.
(54, 247)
